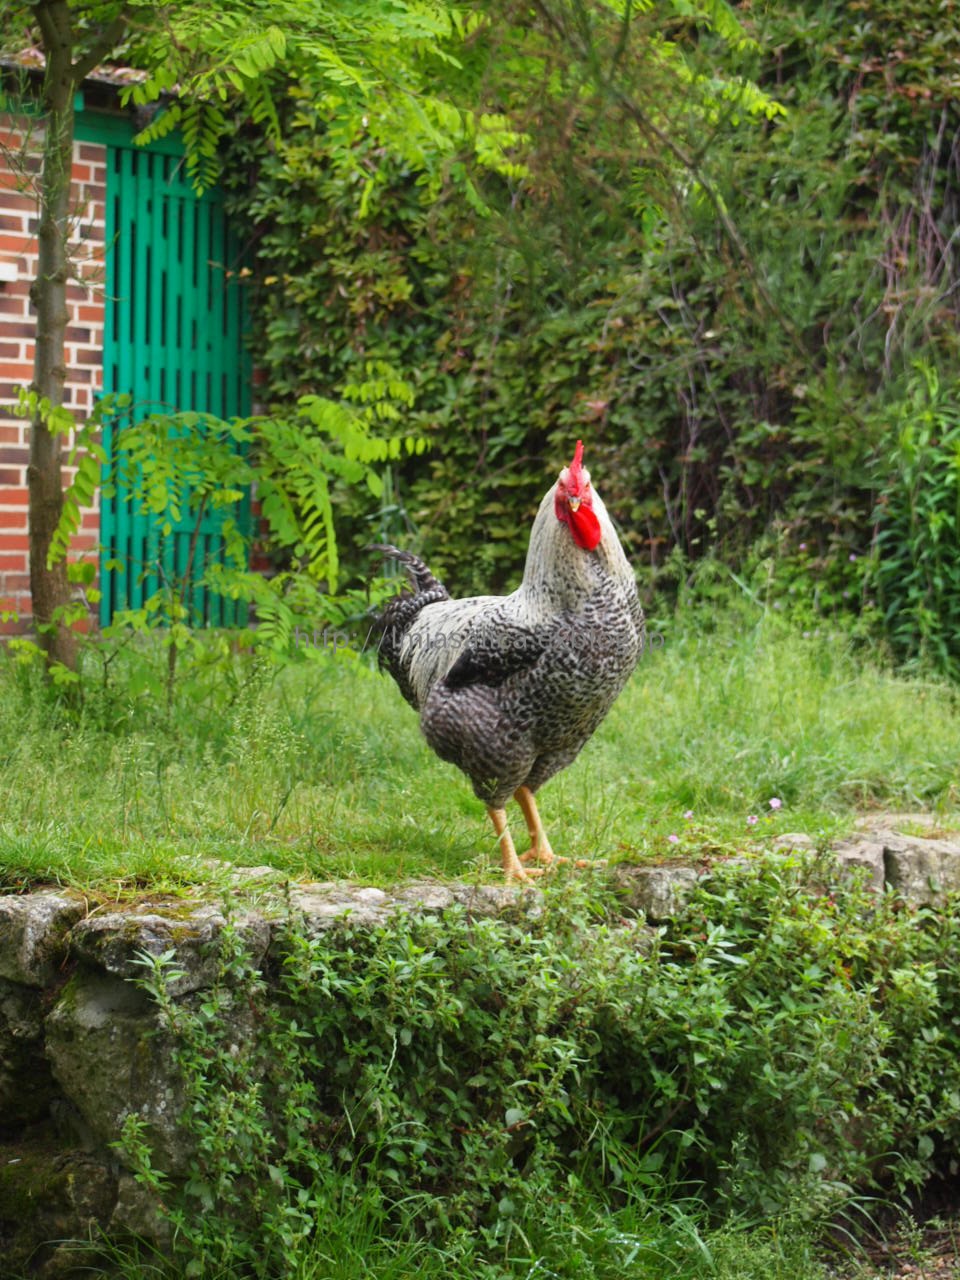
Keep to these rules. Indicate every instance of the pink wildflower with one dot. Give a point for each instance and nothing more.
(752, 819)
(775, 803)
(673, 839)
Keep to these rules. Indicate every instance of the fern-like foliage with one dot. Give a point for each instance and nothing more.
(374, 59)
(175, 467)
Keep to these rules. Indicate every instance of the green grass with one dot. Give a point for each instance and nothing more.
(321, 772)
(572, 1237)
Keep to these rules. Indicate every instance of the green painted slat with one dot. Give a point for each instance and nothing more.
(188, 309)
(216, 341)
(198, 595)
(203, 306)
(168, 557)
(141, 268)
(181, 544)
(153, 263)
(108, 529)
(122, 255)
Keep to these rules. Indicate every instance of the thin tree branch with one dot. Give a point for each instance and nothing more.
(108, 39)
(48, 27)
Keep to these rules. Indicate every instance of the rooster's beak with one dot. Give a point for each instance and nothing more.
(573, 504)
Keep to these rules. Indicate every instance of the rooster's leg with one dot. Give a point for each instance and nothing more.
(511, 863)
(539, 850)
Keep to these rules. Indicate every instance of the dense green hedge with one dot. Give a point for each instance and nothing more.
(744, 408)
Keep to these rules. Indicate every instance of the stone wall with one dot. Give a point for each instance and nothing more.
(80, 1046)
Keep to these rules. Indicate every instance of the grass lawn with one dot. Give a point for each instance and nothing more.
(320, 769)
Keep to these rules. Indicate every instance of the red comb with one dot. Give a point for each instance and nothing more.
(576, 467)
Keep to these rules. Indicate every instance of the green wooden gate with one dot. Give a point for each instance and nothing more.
(173, 341)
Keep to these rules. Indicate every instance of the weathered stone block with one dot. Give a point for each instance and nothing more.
(865, 856)
(26, 1085)
(921, 870)
(48, 1196)
(116, 942)
(110, 1058)
(658, 891)
(33, 933)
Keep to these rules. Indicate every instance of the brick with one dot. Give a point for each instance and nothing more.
(12, 222)
(13, 519)
(12, 475)
(10, 390)
(10, 350)
(18, 327)
(13, 497)
(10, 434)
(15, 542)
(10, 582)
(19, 454)
(90, 313)
(14, 369)
(91, 151)
(12, 304)
(14, 200)
(81, 172)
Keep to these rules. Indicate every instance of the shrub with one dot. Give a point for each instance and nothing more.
(918, 523)
(775, 1047)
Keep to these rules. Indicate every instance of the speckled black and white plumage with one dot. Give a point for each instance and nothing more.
(509, 688)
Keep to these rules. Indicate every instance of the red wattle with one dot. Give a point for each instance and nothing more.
(585, 528)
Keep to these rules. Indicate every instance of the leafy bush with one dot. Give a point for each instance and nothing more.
(918, 523)
(776, 1046)
(733, 398)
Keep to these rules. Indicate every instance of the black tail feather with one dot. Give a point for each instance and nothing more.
(420, 576)
(398, 614)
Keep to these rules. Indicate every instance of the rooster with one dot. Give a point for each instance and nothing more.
(509, 688)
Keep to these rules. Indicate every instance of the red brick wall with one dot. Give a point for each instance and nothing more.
(18, 245)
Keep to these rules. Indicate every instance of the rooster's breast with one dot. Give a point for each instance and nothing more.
(517, 727)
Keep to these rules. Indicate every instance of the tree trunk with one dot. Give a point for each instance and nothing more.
(49, 588)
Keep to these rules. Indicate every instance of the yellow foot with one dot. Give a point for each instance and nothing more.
(546, 856)
(523, 875)
(549, 859)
